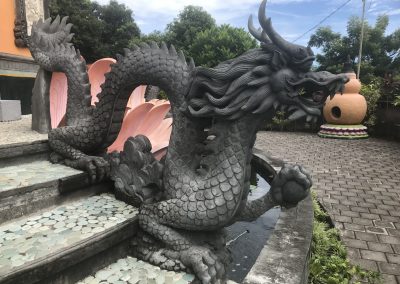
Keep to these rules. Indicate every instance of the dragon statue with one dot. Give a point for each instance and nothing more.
(202, 184)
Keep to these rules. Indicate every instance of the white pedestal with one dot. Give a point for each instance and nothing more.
(10, 110)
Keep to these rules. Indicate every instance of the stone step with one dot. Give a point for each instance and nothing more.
(32, 186)
(23, 152)
(67, 242)
(131, 270)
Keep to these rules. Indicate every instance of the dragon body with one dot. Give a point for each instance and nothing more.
(203, 182)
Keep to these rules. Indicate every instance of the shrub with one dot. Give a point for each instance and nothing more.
(328, 262)
(372, 93)
(279, 121)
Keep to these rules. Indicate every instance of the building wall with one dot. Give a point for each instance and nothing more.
(7, 18)
(17, 67)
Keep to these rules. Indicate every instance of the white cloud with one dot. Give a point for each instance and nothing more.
(155, 14)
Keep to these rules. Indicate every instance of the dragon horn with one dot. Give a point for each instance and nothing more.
(257, 33)
(288, 47)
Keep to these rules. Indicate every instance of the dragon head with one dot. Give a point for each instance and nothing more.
(277, 74)
(304, 94)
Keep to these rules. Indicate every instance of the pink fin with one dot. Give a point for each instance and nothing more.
(58, 98)
(96, 73)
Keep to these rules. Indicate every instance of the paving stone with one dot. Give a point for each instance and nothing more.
(366, 236)
(389, 268)
(363, 222)
(373, 255)
(393, 258)
(366, 264)
(393, 232)
(18, 246)
(353, 253)
(389, 239)
(355, 243)
(354, 227)
(375, 230)
(383, 224)
(388, 279)
(348, 234)
(379, 247)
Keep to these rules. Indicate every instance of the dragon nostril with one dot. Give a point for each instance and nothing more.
(318, 96)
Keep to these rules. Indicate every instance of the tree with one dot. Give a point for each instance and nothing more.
(183, 30)
(100, 30)
(155, 36)
(118, 28)
(86, 26)
(378, 50)
(221, 43)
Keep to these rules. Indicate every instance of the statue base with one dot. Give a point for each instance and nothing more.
(343, 131)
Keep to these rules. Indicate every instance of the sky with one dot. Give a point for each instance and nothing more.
(291, 18)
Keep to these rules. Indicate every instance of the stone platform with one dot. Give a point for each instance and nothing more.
(19, 131)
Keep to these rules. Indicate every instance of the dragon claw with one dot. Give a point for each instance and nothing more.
(96, 167)
(205, 264)
(290, 186)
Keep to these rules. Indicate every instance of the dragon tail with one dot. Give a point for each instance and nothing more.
(144, 65)
(50, 46)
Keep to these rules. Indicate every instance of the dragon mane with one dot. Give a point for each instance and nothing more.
(232, 88)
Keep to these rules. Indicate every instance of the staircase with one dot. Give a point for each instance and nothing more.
(56, 227)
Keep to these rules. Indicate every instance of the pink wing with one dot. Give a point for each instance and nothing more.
(147, 119)
(129, 126)
(96, 73)
(58, 98)
(136, 98)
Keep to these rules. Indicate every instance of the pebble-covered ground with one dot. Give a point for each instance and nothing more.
(33, 173)
(19, 131)
(132, 270)
(42, 234)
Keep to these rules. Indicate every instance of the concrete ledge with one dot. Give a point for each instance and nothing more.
(10, 110)
(285, 257)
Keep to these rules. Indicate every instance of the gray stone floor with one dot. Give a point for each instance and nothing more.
(34, 237)
(358, 182)
(32, 173)
(19, 131)
(132, 270)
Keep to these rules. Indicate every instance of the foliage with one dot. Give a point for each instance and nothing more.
(372, 93)
(391, 88)
(118, 28)
(195, 33)
(396, 101)
(100, 30)
(183, 29)
(329, 263)
(221, 43)
(379, 50)
(278, 121)
(155, 36)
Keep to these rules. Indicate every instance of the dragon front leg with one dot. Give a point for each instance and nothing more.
(97, 167)
(289, 187)
(203, 259)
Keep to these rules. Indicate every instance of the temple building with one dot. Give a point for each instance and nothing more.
(17, 67)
